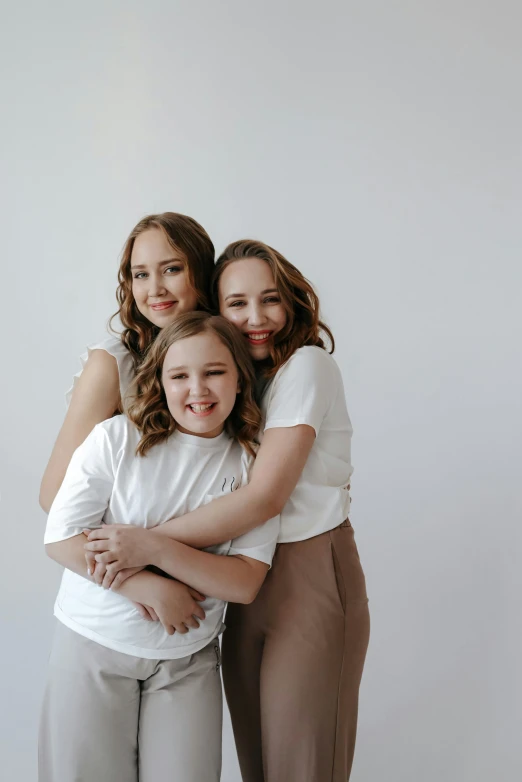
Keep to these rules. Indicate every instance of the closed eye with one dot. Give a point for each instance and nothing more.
(237, 303)
(216, 372)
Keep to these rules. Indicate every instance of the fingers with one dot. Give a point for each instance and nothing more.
(181, 628)
(123, 575)
(198, 611)
(196, 595)
(168, 628)
(99, 534)
(144, 611)
(110, 574)
(98, 573)
(119, 578)
(105, 558)
(191, 622)
(97, 545)
(91, 562)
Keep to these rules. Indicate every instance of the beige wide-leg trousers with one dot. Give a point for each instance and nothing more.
(112, 717)
(293, 661)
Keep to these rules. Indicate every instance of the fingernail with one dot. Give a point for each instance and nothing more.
(89, 571)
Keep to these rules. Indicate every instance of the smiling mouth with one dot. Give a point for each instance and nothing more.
(202, 410)
(164, 305)
(258, 338)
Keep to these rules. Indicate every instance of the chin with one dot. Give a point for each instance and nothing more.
(258, 354)
(198, 427)
(162, 323)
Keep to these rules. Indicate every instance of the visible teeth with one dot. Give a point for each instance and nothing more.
(259, 336)
(200, 408)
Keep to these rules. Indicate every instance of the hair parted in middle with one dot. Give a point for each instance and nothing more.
(146, 403)
(183, 234)
(301, 303)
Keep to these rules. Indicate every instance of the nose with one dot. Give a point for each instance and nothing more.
(256, 315)
(198, 387)
(156, 286)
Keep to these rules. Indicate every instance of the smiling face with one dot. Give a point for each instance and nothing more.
(249, 299)
(201, 381)
(160, 283)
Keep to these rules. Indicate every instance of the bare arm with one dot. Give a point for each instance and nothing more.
(95, 398)
(277, 468)
(173, 603)
(234, 578)
(70, 554)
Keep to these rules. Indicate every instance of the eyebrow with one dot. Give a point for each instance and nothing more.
(207, 366)
(160, 263)
(236, 295)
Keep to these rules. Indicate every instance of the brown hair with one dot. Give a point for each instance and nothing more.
(301, 303)
(147, 405)
(184, 235)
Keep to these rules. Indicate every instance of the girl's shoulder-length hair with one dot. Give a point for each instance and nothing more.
(299, 299)
(146, 403)
(187, 237)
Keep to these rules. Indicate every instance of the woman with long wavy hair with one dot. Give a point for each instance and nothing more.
(294, 658)
(165, 270)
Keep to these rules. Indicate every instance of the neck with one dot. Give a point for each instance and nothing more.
(205, 435)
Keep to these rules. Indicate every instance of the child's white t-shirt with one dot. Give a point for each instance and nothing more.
(308, 389)
(107, 482)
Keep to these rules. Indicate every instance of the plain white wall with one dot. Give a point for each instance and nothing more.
(376, 144)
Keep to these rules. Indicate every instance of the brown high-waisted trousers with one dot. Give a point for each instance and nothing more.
(293, 661)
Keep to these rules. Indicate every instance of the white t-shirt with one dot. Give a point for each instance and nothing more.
(114, 347)
(309, 389)
(107, 481)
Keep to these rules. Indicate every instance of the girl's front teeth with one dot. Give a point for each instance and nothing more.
(200, 408)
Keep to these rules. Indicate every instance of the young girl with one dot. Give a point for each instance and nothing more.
(293, 659)
(127, 698)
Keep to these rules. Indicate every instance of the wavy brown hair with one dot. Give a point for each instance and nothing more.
(187, 237)
(301, 303)
(146, 402)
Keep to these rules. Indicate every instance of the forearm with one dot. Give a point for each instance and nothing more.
(223, 519)
(70, 554)
(226, 578)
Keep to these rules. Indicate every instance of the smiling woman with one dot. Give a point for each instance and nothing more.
(165, 271)
(260, 315)
(160, 285)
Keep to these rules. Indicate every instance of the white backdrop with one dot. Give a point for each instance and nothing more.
(377, 145)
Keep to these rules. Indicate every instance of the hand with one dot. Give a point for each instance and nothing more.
(107, 576)
(177, 605)
(110, 577)
(89, 556)
(125, 544)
